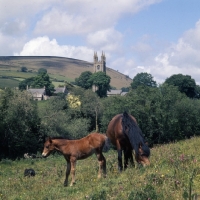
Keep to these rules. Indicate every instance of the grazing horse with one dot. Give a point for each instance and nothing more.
(74, 150)
(125, 134)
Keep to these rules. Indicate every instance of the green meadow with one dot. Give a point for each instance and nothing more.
(4, 82)
(174, 174)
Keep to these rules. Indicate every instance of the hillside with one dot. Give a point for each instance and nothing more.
(57, 67)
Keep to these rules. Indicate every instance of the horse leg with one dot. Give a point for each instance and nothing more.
(73, 168)
(119, 152)
(67, 173)
(131, 159)
(128, 157)
(102, 164)
(120, 167)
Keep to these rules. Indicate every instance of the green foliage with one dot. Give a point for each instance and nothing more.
(143, 79)
(111, 107)
(58, 119)
(97, 195)
(148, 192)
(40, 81)
(23, 69)
(184, 83)
(90, 108)
(102, 82)
(78, 128)
(163, 113)
(53, 118)
(83, 80)
(125, 89)
(19, 124)
(197, 91)
(43, 80)
(42, 71)
(27, 82)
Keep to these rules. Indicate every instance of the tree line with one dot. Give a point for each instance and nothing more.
(164, 112)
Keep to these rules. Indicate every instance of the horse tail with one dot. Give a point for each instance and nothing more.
(107, 143)
(134, 134)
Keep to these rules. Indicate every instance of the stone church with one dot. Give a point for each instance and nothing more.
(99, 66)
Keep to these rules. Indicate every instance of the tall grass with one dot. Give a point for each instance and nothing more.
(174, 174)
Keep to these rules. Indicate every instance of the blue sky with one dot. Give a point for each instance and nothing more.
(160, 37)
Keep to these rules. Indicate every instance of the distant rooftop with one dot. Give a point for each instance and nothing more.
(116, 92)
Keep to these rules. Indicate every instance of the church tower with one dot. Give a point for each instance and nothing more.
(99, 66)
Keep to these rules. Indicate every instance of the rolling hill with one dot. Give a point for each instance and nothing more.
(59, 68)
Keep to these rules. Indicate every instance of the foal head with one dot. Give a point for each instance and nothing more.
(48, 147)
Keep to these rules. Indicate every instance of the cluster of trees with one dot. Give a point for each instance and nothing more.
(164, 113)
(19, 124)
(102, 81)
(40, 81)
(184, 83)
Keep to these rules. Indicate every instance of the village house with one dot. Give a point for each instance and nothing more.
(40, 93)
(116, 92)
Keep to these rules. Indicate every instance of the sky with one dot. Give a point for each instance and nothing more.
(159, 37)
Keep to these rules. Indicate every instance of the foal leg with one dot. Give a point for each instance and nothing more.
(102, 164)
(67, 173)
(73, 169)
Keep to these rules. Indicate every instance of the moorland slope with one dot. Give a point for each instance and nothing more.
(58, 66)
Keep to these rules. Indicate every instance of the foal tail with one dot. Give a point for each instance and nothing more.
(134, 134)
(106, 146)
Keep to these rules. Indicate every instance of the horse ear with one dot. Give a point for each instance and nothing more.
(50, 140)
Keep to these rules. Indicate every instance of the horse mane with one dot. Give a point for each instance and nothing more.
(57, 137)
(134, 134)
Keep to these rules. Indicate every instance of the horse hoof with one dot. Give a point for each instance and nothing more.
(65, 184)
(72, 184)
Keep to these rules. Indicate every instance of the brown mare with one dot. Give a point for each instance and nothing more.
(126, 135)
(74, 150)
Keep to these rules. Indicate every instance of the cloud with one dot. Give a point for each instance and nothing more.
(9, 44)
(56, 18)
(182, 57)
(43, 46)
(14, 27)
(82, 17)
(107, 40)
(11, 10)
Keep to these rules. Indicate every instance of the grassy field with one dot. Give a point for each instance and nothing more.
(173, 174)
(4, 82)
(10, 78)
(12, 73)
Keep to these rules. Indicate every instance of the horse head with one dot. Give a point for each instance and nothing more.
(143, 154)
(48, 147)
